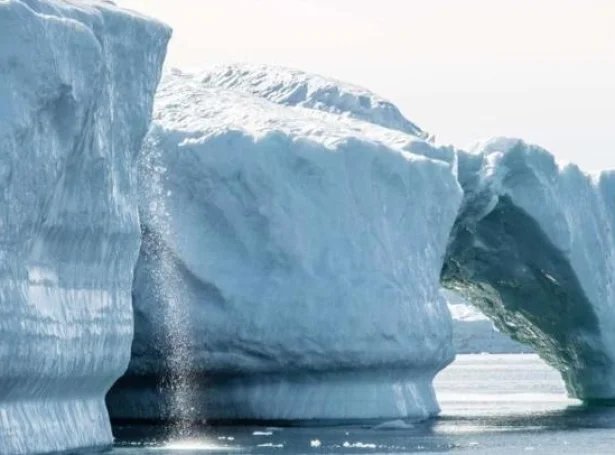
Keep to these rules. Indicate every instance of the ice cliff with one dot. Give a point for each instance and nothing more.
(76, 90)
(534, 249)
(290, 264)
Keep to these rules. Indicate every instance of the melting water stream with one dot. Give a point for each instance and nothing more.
(177, 384)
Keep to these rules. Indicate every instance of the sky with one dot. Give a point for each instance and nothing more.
(464, 70)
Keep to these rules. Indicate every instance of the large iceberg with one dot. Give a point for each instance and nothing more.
(76, 91)
(534, 249)
(290, 264)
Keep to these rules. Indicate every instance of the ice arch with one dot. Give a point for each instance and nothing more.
(533, 247)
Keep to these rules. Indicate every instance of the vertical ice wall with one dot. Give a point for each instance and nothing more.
(76, 86)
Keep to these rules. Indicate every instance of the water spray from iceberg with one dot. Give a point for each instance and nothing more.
(174, 337)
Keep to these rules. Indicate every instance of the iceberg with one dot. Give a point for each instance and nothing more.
(290, 264)
(77, 81)
(533, 247)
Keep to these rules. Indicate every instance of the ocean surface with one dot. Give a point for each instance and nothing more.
(491, 404)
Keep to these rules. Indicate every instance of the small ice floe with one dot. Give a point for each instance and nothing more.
(262, 433)
(359, 445)
(315, 443)
(270, 444)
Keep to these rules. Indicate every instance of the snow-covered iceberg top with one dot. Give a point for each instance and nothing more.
(291, 87)
(534, 248)
(76, 91)
(191, 105)
(291, 260)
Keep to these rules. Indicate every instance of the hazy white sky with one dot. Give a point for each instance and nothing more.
(543, 70)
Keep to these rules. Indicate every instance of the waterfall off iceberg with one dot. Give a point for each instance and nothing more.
(77, 80)
(290, 263)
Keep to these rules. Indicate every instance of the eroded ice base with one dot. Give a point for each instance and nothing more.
(315, 398)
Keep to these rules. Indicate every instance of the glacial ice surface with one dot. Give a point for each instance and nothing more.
(290, 264)
(76, 91)
(534, 249)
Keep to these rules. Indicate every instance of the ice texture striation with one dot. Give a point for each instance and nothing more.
(293, 87)
(297, 254)
(76, 91)
(534, 249)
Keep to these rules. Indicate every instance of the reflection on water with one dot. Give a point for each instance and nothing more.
(194, 445)
(490, 405)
